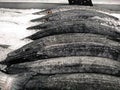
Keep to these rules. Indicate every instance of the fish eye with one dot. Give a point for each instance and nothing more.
(27, 49)
(49, 12)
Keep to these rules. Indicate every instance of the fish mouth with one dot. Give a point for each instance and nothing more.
(42, 19)
(44, 12)
(37, 27)
(21, 58)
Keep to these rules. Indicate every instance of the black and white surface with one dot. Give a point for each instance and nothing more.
(85, 61)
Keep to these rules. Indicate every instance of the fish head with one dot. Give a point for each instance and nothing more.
(47, 12)
(44, 12)
(23, 54)
(42, 19)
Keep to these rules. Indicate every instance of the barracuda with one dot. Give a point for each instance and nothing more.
(84, 81)
(73, 15)
(59, 39)
(68, 65)
(72, 7)
(64, 50)
(78, 27)
(51, 24)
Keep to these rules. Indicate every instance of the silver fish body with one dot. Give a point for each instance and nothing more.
(73, 15)
(40, 44)
(83, 81)
(76, 81)
(65, 50)
(68, 65)
(71, 7)
(51, 24)
(78, 27)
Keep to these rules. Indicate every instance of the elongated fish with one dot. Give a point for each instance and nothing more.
(78, 27)
(60, 39)
(51, 24)
(71, 7)
(83, 81)
(64, 50)
(67, 65)
(73, 15)
(79, 81)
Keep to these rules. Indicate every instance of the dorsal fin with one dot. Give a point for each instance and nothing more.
(81, 2)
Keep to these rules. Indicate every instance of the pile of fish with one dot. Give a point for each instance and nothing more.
(75, 48)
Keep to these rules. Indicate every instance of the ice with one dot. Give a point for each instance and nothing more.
(13, 23)
(4, 52)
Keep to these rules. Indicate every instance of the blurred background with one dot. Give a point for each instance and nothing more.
(64, 1)
(50, 3)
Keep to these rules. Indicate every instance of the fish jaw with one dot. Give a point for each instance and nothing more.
(42, 19)
(47, 11)
(22, 57)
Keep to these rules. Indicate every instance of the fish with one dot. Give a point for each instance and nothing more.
(64, 50)
(59, 39)
(79, 81)
(71, 7)
(64, 38)
(68, 65)
(73, 15)
(78, 27)
(51, 24)
(76, 81)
